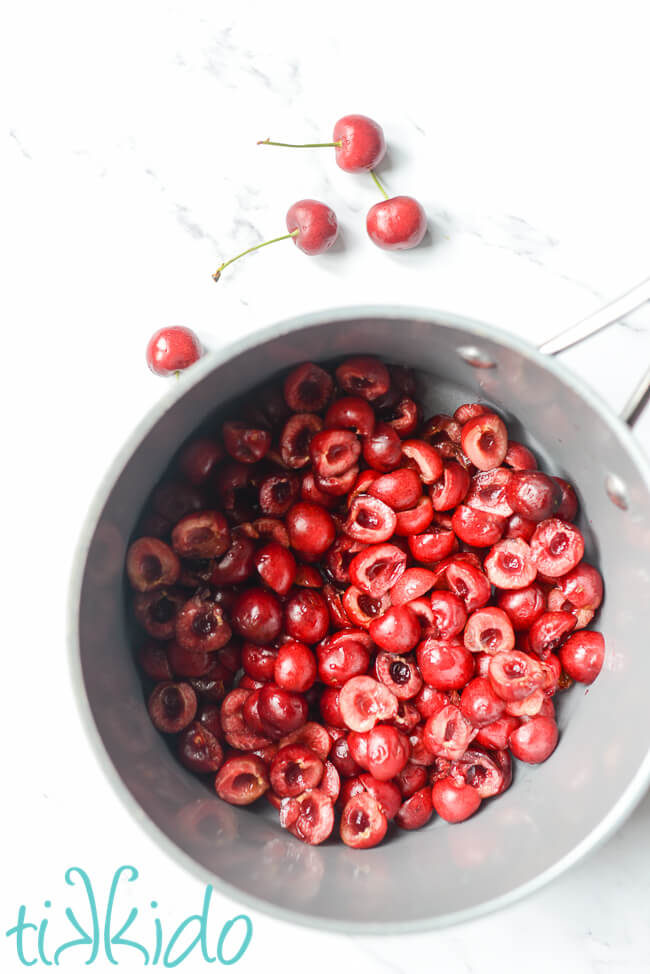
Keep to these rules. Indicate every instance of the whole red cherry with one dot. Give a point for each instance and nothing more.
(172, 349)
(316, 226)
(398, 223)
(358, 143)
(312, 226)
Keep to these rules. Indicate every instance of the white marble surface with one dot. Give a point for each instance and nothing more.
(130, 170)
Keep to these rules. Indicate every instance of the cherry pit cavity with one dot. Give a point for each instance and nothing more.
(355, 613)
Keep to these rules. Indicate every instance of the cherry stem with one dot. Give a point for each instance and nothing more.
(302, 145)
(379, 186)
(285, 236)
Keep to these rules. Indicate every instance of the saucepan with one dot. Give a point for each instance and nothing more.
(555, 812)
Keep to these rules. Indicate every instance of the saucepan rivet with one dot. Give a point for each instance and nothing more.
(616, 491)
(476, 358)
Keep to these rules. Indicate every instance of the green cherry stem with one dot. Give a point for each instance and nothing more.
(301, 145)
(379, 186)
(285, 236)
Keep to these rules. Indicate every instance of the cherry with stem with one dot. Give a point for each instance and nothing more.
(357, 140)
(311, 225)
(397, 222)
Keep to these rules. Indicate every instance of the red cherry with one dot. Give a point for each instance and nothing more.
(294, 769)
(484, 440)
(398, 223)
(242, 779)
(415, 811)
(173, 349)
(388, 752)
(353, 413)
(363, 824)
(310, 735)
(397, 630)
(534, 740)
(198, 459)
(361, 144)
(315, 818)
(489, 774)
(313, 226)
(311, 529)
(583, 655)
(364, 376)
(257, 616)
(307, 388)
(357, 140)
(454, 801)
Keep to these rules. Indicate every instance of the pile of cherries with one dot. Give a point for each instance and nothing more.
(349, 608)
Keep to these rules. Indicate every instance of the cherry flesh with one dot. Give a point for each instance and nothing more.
(151, 564)
(242, 779)
(307, 388)
(363, 824)
(172, 706)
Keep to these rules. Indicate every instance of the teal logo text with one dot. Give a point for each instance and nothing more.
(124, 933)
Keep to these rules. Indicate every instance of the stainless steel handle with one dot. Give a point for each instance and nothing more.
(607, 315)
(637, 401)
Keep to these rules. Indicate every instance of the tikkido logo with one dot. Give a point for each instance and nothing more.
(194, 935)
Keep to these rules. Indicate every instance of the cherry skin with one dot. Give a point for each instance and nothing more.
(535, 740)
(173, 349)
(398, 223)
(311, 529)
(198, 460)
(583, 655)
(415, 811)
(388, 752)
(454, 801)
(257, 616)
(361, 143)
(295, 667)
(316, 225)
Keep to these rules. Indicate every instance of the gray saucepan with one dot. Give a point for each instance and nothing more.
(554, 813)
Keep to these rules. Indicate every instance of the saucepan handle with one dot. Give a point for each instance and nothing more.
(605, 316)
